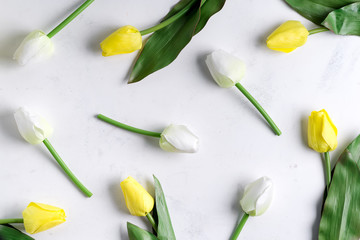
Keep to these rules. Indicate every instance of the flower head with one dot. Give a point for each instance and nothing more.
(322, 133)
(289, 36)
(257, 196)
(137, 199)
(32, 127)
(126, 39)
(178, 138)
(35, 46)
(226, 69)
(39, 217)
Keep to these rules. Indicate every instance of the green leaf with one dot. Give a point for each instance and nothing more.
(344, 21)
(315, 11)
(164, 45)
(341, 215)
(8, 232)
(165, 230)
(136, 233)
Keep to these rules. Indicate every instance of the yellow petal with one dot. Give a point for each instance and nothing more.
(126, 39)
(137, 199)
(322, 133)
(39, 217)
(287, 37)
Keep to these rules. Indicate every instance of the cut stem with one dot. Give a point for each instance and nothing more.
(70, 18)
(170, 20)
(127, 127)
(152, 221)
(66, 169)
(11, 220)
(259, 108)
(239, 227)
(327, 170)
(318, 30)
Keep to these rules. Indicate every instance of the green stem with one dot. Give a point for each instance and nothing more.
(318, 30)
(152, 221)
(127, 127)
(66, 169)
(327, 170)
(239, 227)
(11, 220)
(259, 108)
(171, 19)
(70, 18)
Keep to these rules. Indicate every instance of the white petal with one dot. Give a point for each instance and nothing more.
(257, 196)
(178, 138)
(226, 69)
(33, 128)
(35, 46)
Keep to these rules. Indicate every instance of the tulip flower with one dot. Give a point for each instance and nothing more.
(256, 200)
(174, 138)
(289, 36)
(137, 199)
(35, 129)
(322, 137)
(38, 217)
(124, 40)
(227, 71)
(38, 45)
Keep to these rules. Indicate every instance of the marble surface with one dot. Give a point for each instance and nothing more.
(237, 146)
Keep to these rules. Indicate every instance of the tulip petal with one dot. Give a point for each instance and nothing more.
(178, 138)
(40, 217)
(32, 127)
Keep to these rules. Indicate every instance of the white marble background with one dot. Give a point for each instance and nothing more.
(237, 146)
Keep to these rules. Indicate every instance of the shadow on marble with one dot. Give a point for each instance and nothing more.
(8, 125)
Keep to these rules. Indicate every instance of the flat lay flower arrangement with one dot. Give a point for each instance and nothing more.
(156, 48)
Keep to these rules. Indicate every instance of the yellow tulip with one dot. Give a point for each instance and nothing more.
(322, 132)
(39, 217)
(138, 200)
(126, 39)
(289, 36)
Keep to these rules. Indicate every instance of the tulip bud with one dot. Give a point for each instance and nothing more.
(226, 69)
(178, 138)
(137, 199)
(126, 39)
(39, 217)
(257, 196)
(322, 132)
(32, 127)
(289, 36)
(35, 46)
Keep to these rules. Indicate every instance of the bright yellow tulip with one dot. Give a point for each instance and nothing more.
(322, 132)
(138, 200)
(126, 39)
(39, 217)
(289, 36)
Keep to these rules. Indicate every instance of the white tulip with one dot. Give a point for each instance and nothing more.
(257, 196)
(35, 46)
(32, 127)
(226, 69)
(178, 138)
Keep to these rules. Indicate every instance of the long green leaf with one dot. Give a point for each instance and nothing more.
(165, 230)
(136, 233)
(344, 21)
(341, 215)
(8, 232)
(165, 45)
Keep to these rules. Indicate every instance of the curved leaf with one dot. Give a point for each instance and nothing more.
(165, 45)
(317, 10)
(165, 230)
(344, 21)
(341, 215)
(8, 232)
(136, 233)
